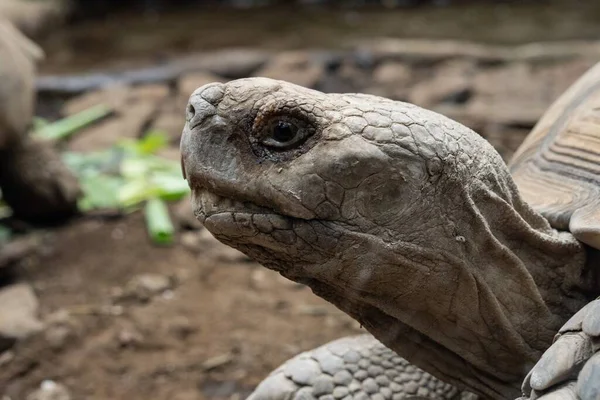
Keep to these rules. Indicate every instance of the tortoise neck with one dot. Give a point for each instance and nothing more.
(565, 271)
(518, 280)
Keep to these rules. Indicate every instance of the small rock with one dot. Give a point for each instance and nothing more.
(61, 329)
(258, 280)
(57, 336)
(191, 241)
(129, 337)
(6, 357)
(18, 314)
(50, 390)
(145, 286)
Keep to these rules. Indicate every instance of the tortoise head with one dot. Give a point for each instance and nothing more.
(404, 219)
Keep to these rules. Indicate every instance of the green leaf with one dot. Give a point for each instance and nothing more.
(170, 187)
(66, 127)
(129, 176)
(152, 142)
(100, 191)
(149, 144)
(135, 168)
(158, 222)
(135, 192)
(39, 123)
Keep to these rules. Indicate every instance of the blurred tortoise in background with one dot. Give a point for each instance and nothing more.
(34, 181)
(412, 224)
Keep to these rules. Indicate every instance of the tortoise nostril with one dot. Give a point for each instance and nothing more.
(190, 112)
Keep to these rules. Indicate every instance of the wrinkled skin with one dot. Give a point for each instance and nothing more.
(404, 219)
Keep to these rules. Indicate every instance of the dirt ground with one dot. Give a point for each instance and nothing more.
(221, 325)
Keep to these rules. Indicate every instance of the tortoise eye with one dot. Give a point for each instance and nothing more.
(283, 134)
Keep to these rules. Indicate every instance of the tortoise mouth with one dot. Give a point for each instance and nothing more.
(232, 218)
(208, 204)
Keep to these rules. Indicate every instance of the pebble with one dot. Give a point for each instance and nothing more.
(50, 390)
(18, 314)
(145, 286)
(60, 328)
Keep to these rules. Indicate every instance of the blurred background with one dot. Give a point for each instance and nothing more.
(109, 288)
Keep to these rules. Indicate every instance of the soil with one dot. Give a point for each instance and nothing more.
(222, 327)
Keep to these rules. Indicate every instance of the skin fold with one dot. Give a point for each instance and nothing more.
(404, 219)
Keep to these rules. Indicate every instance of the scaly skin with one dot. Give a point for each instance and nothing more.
(404, 219)
(356, 367)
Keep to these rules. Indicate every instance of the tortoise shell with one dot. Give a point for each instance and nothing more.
(18, 56)
(557, 168)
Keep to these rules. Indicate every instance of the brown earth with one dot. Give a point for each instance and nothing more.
(220, 327)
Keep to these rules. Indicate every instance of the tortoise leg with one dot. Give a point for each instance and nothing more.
(570, 368)
(357, 367)
(36, 184)
(585, 225)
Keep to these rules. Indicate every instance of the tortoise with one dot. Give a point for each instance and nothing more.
(412, 224)
(33, 179)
